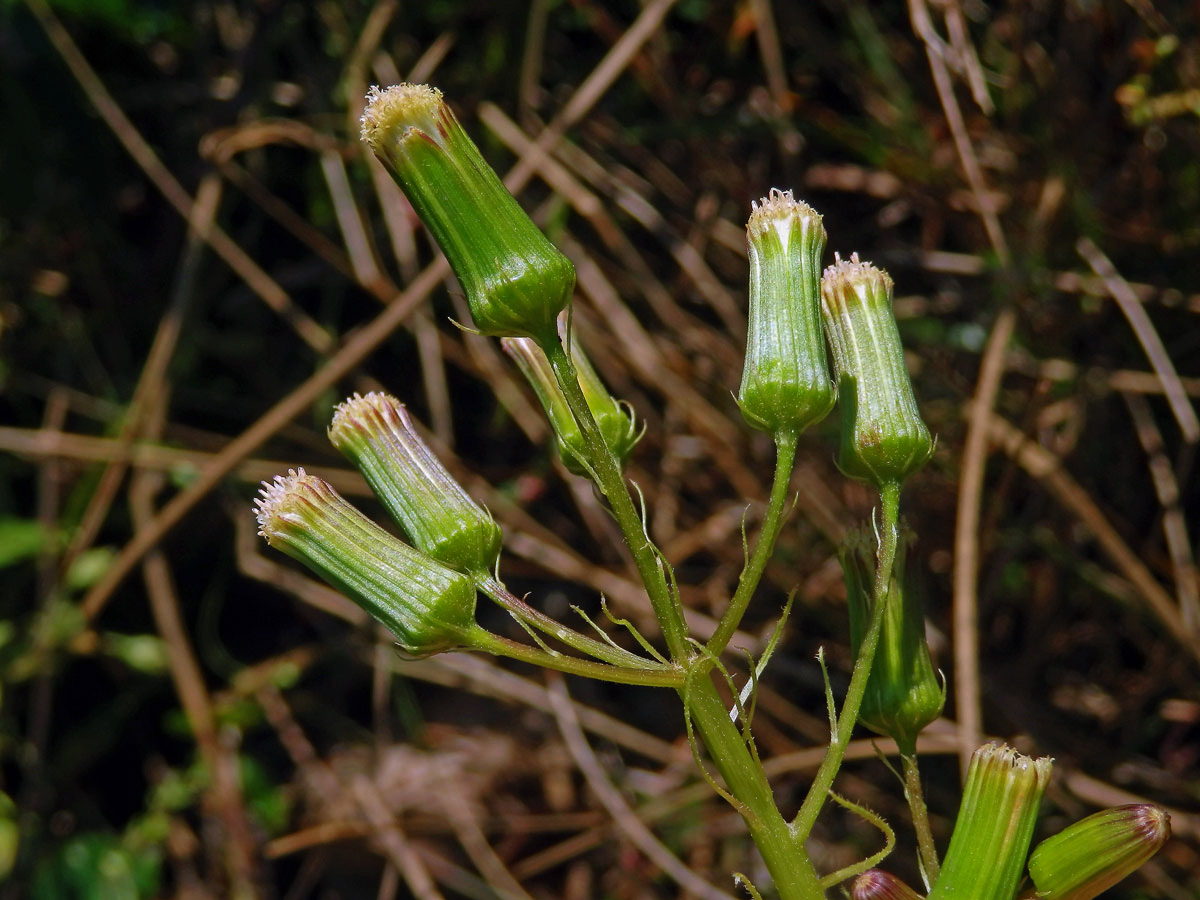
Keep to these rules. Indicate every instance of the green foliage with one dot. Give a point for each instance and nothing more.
(96, 866)
(271, 803)
(21, 539)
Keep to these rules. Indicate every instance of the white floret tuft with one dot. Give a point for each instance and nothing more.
(273, 495)
(399, 106)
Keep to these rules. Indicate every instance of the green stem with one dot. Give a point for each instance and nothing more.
(664, 676)
(790, 868)
(609, 653)
(785, 459)
(786, 859)
(913, 793)
(665, 602)
(809, 810)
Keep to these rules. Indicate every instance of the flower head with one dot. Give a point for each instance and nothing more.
(515, 280)
(427, 606)
(883, 436)
(995, 823)
(785, 380)
(876, 884)
(376, 433)
(614, 418)
(1089, 857)
(904, 692)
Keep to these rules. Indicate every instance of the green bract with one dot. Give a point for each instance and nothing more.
(615, 419)
(515, 280)
(1095, 853)
(904, 693)
(995, 823)
(429, 607)
(376, 434)
(883, 436)
(785, 381)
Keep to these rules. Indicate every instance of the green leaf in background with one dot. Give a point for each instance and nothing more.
(10, 835)
(88, 568)
(144, 653)
(21, 539)
(270, 802)
(95, 866)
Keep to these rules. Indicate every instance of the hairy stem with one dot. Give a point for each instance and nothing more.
(535, 618)
(785, 458)
(811, 808)
(659, 676)
(786, 859)
(915, 795)
(665, 601)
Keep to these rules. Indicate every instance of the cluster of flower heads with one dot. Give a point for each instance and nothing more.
(795, 310)
(517, 286)
(989, 849)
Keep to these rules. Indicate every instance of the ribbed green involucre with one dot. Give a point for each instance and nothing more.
(785, 380)
(377, 435)
(883, 435)
(429, 607)
(515, 280)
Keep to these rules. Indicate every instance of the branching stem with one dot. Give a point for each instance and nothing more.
(517, 607)
(802, 825)
(665, 602)
(658, 676)
(786, 859)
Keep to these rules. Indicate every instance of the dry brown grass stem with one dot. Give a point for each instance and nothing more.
(1048, 470)
(354, 233)
(235, 840)
(599, 80)
(1147, 336)
(968, 699)
(385, 830)
(985, 208)
(168, 185)
(771, 51)
(968, 702)
(631, 827)
(356, 348)
(145, 420)
(44, 443)
(1166, 488)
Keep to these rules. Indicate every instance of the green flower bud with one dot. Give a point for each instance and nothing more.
(883, 437)
(876, 884)
(785, 382)
(614, 418)
(515, 280)
(428, 607)
(1095, 853)
(376, 434)
(995, 823)
(904, 693)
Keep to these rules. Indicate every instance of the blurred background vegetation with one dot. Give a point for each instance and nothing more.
(186, 715)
